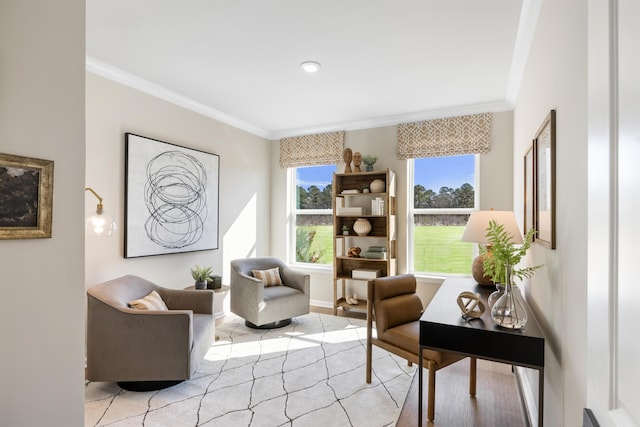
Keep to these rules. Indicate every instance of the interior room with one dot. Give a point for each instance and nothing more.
(62, 102)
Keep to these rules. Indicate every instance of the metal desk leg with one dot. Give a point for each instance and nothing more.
(540, 395)
(420, 388)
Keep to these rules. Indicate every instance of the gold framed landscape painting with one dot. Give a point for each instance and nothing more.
(26, 197)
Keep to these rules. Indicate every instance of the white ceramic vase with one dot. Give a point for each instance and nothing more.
(377, 186)
(362, 226)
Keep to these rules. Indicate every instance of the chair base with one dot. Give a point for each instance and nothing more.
(147, 385)
(272, 325)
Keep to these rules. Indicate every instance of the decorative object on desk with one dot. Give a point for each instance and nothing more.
(354, 252)
(362, 226)
(215, 282)
(345, 230)
(350, 300)
(509, 311)
(377, 186)
(470, 304)
(26, 191)
(347, 156)
(495, 295)
(476, 232)
(202, 276)
(357, 160)
(369, 160)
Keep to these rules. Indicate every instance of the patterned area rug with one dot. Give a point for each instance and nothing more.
(310, 373)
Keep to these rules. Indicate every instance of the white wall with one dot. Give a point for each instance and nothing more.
(556, 78)
(613, 177)
(42, 280)
(495, 186)
(245, 187)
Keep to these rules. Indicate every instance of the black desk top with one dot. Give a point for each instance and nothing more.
(443, 328)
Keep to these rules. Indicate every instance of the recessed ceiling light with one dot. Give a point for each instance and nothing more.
(310, 66)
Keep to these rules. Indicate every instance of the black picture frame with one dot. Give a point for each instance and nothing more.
(545, 179)
(171, 198)
(26, 197)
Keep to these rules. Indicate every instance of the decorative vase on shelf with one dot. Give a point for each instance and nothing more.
(509, 310)
(362, 226)
(377, 186)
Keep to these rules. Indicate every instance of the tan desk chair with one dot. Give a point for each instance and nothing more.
(397, 310)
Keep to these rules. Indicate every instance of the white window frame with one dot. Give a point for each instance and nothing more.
(411, 212)
(293, 213)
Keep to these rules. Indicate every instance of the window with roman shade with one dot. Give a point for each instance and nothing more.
(445, 137)
(311, 150)
(439, 152)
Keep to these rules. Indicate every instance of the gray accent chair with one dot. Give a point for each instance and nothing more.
(146, 349)
(267, 306)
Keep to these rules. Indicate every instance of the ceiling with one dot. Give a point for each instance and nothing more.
(383, 62)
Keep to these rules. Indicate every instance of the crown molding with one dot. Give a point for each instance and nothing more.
(125, 78)
(110, 72)
(490, 107)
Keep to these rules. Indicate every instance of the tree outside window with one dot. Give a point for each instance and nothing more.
(443, 198)
(313, 214)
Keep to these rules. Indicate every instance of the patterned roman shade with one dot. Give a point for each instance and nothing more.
(310, 150)
(445, 137)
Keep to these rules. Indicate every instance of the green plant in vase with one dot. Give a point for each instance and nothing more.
(201, 275)
(369, 160)
(501, 251)
(501, 257)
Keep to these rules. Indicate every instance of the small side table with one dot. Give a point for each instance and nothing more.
(220, 295)
(218, 298)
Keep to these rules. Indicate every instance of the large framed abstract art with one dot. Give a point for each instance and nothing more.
(171, 198)
(26, 197)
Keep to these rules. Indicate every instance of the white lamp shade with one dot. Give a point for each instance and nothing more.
(478, 223)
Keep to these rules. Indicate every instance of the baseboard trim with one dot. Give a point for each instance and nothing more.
(527, 397)
(321, 303)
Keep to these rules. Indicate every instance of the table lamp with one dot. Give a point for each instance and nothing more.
(476, 232)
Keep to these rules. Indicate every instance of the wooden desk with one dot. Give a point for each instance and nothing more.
(442, 328)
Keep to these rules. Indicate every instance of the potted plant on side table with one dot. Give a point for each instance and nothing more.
(202, 276)
(507, 306)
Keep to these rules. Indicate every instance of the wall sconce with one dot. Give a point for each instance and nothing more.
(99, 223)
(476, 231)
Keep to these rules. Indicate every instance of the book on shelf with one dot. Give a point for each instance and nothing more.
(365, 273)
(354, 191)
(374, 255)
(377, 249)
(354, 211)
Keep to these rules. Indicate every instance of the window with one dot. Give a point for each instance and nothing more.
(443, 198)
(313, 216)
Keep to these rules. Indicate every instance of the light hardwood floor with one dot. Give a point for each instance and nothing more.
(497, 402)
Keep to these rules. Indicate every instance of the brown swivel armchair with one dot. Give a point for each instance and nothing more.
(397, 310)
